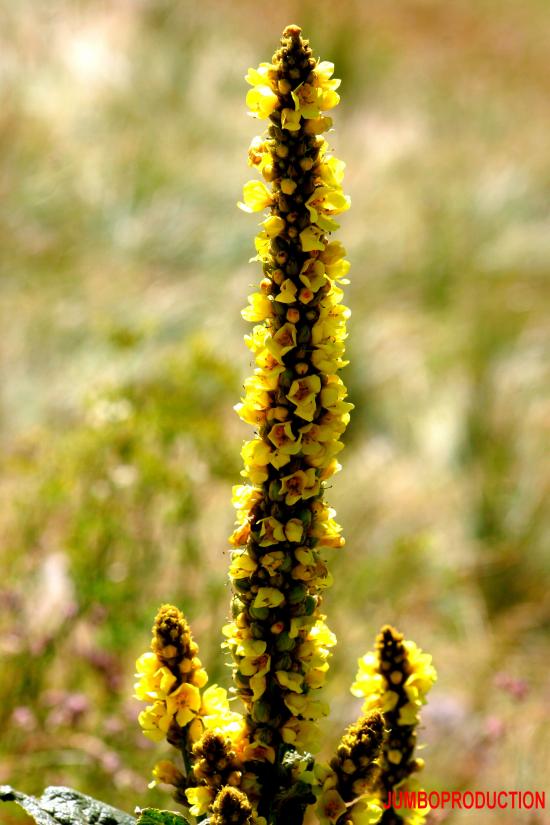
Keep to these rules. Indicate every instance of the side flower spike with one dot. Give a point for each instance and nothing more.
(395, 679)
(231, 807)
(347, 794)
(170, 676)
(215, 764)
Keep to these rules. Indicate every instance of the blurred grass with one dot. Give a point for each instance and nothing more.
(123, 139)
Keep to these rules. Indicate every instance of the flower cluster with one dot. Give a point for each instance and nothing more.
(259, 767)
(394, 679)
(278, 638)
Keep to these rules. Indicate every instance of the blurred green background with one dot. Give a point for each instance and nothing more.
(123, 270)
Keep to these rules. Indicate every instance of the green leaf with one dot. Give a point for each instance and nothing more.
(152, 816)
(63, 806)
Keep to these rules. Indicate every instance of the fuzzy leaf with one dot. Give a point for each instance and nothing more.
(63, 806)
(152, 816)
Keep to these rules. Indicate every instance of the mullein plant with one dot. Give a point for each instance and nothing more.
(258, 766)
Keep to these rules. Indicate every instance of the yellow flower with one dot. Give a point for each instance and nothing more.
(256, 196)
(317, 125)
(283, 438)
(302, 734)
(272, 561)
(315, 678)
(261, 101)
(148, 684)
(300, 485)
(260, 308)
(332, 393)
(271, 532)
(287, 295)
(251, 647)
(313, 274)
(282, 341)
(216, 715)
(258, 153)
(322, 634)
(327, 357)
(367, 811)
(423, 673)
(155, 721)
(214, 701)
(242, 566)
(303, 393)
(294, 530)
(184, 703)
(333, 258)
(330, 806)
(264, 75)
(256, 668)
(256, 455)
(306, 707)
(305, 99)
(268, 597)
(312, 99)
(331, 172)
(324, 202)
(311, 239)
(166, 773)
(298, 623)
(252, 411)
(244, 497)
(257, 750)
(290, 119)
(291, 681)
(262, 243)
(147, 664)
(369, 681)
(273, 226)
(411, 816)
(200, 799)
(310, 563)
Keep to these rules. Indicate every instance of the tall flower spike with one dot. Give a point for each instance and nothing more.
(395, 679)
(278, 638)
